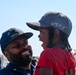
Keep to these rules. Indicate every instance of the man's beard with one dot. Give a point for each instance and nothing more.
(19, 60)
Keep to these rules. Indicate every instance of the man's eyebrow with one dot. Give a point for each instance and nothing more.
(15, 41)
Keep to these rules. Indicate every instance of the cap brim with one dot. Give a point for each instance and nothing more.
(33, 25)
(36, 25)
(27, 35)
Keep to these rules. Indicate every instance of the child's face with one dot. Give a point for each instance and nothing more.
(44, 37)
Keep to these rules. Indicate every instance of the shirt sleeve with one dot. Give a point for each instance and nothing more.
(45, 60)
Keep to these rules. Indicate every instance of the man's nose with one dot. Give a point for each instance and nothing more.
(29, 47)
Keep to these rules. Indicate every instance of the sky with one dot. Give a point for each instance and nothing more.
(15, 13)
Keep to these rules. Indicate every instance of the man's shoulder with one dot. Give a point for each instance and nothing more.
(4, 72)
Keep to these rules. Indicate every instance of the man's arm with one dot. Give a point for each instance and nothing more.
(45, 71)
(70, 73)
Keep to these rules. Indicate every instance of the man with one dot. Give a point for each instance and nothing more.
(14, 45)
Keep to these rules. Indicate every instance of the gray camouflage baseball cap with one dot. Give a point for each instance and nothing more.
(53, 19)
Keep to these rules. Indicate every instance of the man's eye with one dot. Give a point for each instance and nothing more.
(16, 46)
(25, 41)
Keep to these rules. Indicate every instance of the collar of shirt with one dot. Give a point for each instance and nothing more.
(15, 68)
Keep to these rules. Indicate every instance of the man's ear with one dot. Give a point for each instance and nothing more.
(5, 53)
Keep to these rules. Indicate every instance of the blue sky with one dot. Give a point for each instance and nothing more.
(15, 13)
